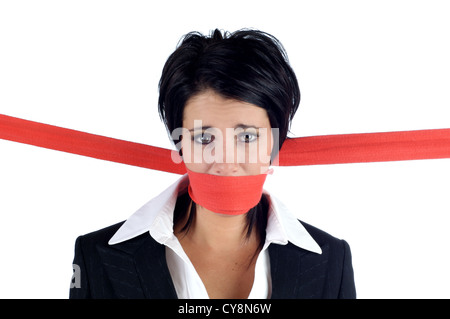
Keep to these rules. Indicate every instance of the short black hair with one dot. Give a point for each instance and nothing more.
(246, 65)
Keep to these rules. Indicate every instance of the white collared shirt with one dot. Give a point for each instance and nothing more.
(156, 217)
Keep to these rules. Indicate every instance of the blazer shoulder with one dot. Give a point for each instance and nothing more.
(97, 240)
(320, 236)
(341, 281)
(101, 236)
(299, 273)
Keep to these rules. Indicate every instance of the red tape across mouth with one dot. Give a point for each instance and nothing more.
(313, 150)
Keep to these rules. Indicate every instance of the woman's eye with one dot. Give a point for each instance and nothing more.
(247, 137)
(203, 138)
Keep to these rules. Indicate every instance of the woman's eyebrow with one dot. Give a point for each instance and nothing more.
(243, 126)
(200, 128)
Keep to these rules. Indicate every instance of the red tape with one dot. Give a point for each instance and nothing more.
(314, 150)
(81, 143)
(366, 147)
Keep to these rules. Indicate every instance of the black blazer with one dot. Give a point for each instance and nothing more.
(137, 268)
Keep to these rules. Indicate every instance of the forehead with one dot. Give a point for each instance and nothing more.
(216, 111)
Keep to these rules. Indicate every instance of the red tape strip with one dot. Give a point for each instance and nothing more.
(366, 147)
(81, 143)
(314, 150)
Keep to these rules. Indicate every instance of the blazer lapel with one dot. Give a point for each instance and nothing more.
(297, 273)
(137, 268)
(152, 269)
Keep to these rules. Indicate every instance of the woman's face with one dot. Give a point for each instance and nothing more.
(225, 137)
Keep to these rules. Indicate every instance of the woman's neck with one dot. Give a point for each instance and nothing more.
(219, 232)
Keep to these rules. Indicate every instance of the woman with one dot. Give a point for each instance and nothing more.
(227, 101)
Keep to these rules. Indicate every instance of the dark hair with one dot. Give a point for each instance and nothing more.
(247, 65)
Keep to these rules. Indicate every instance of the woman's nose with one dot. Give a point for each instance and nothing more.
(225, 169)
(226, 163)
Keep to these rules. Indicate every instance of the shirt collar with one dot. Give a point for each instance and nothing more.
(156, 217)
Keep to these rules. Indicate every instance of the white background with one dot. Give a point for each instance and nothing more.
(363, 66)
